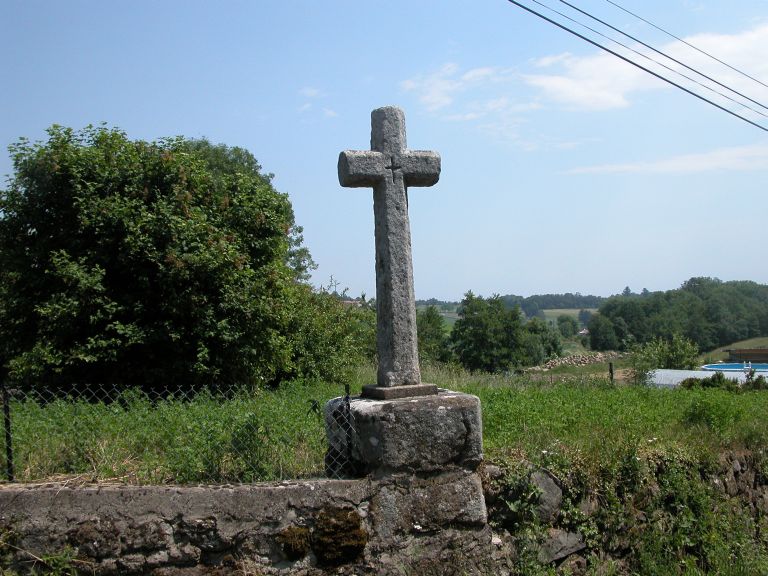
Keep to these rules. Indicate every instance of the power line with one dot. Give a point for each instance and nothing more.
(667, 56)
(687, 43)
(629, 61)
(651, 59)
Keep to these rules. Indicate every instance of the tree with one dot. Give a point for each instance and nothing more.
(709, 312)
(602, 336)
(154, 263)
(487, 335)
(548, 343)
(584, 317)
(567, 325)
(433, 340)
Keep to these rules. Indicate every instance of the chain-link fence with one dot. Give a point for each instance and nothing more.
(340, 462)
(236, 435)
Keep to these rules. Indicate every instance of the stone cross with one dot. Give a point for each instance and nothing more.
(390, 168)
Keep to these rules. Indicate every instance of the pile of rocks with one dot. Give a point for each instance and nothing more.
(580, 360)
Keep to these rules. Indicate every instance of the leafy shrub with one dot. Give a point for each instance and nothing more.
(708, 412)
(153, 264)
(721, 381)
(717, 380)
(490, 337)
(677, 353)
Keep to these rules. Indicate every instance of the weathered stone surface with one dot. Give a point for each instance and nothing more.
(412, 505)
(390, 168)
(422, 434)
(573, 566)
(354, 526)
(550, 497)
(394, 392)
(560, 544)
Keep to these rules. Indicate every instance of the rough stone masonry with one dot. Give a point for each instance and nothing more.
(390, 168)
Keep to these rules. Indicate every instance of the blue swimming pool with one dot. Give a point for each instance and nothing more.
(736, 367)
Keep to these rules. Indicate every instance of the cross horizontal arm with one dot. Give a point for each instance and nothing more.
(361, 168)
(420, 168)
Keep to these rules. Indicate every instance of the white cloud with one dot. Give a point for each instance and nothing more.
(734, 159)
(593, 83)
(328, 113)
(310, 92)
(439, 89)
(305, 107)
(547, 61)
(602, 81)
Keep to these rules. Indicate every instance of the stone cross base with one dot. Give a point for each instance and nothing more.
(393, 392)
(424, 434)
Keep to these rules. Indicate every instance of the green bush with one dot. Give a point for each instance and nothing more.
(490, 337)
(677, 353)
(168, 263)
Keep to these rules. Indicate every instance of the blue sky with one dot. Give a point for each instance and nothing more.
(563, 169)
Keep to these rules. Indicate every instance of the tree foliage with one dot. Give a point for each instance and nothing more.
(162, 263)
(432, 336)
(602, 335)
(675, 353)
(532, 305)
(568, 325)
(487, 335)
(707, 311)
(491, 337)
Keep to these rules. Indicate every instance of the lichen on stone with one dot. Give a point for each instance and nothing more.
(338, 536)
(294, 541)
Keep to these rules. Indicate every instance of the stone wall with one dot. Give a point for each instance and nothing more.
(419, 509)
(400, 525)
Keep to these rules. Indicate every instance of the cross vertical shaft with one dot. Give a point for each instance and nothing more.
(390, 168)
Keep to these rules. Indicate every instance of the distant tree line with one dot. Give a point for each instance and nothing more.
(533, 305)
(708, 311)
(442, 305)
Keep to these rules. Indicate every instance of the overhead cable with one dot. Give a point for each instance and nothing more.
(687, 43)
(666, 56)
(629, 61)
(694, 80)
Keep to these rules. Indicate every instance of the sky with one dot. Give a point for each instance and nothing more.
(564, 169)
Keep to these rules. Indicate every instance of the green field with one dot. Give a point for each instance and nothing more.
(551, 314)
(721, 354)
(269, 435)
(450, 318)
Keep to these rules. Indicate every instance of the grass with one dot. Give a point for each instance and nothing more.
(598, 419)
(262, 435)
(272, 435)
(551, 314)
(450, 319)
(721, 354)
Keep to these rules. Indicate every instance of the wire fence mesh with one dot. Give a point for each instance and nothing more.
(342, 438)
(106, 434)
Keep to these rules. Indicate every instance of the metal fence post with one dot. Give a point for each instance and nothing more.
(7, 425)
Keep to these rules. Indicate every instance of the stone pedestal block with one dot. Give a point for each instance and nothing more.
(426, 434)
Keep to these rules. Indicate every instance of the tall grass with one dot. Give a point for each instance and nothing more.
(243, 437)
(272, 435)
